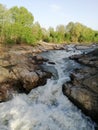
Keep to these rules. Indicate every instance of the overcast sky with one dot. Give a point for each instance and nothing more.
(55, 12)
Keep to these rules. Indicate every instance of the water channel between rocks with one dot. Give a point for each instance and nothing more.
(45, 107)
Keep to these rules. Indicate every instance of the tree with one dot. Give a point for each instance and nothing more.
(67, 37)
(20, 25)
(75, 32)
(96, 37)
(60, 33)
(45, 35)
(51, 34)
(3, 20)
(16, 26)
(69, 26)
(87, 35)
(37, 31)
(21, 16)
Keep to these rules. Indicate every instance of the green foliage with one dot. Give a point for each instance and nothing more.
(80, 33)
(96, 37)
(67, 37)
(16, 26)
(72, 33)
(45, 35)
(60, 33)
(21, 16)
(37, 31)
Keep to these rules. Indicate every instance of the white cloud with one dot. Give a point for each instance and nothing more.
(55, 8)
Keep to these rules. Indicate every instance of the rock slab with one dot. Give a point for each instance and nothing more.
(82, 89)
(20, 71)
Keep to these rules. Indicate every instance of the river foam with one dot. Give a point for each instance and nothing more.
(45, 107)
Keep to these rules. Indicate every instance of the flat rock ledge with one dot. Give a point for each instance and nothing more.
(82, 89)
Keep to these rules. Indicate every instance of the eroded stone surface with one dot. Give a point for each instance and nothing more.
(20, 70)
(82, 89)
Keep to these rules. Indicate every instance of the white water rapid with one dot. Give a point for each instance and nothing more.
(46, 108)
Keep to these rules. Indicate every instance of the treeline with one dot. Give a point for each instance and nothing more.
(17, 26)
(72, 33)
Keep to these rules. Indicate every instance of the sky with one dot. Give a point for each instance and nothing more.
(50, 13)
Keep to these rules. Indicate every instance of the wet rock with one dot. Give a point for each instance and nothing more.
(91, 59)
(51, 63)
(33, 79)
(82, 89)
(50, 69)
(39, 59)
(51, 46)
(75, 57)
(5, 91)
(20, 71)
(92, 83)
(82, 47)
(84, 98)
(3, 74)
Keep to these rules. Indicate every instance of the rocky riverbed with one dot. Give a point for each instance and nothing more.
(82, 89)
(23, 68)
(20, 69)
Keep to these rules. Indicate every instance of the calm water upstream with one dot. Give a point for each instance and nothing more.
(46, 108)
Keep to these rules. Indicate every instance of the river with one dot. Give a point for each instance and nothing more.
(45, 107)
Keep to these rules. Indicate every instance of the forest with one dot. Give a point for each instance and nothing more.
(17, 26)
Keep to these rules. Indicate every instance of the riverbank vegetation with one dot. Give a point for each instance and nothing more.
(17, 26)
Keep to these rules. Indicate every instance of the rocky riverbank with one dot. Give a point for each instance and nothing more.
(20, 69)
(82, 89)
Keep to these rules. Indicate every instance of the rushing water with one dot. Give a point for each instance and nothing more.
(46, 108)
